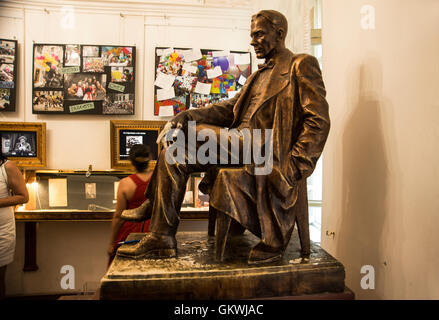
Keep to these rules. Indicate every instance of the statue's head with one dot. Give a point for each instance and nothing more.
(268, 32)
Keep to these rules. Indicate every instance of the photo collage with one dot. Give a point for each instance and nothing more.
(195, 78)
(77, 79)
(8, 74)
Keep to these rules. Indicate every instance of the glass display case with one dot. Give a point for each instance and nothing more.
(80, 195)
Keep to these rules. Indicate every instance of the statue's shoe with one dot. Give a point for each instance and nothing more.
(263, 254)
(151, 245)
(140, 213)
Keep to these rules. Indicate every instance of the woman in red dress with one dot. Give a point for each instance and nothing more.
(130, 194)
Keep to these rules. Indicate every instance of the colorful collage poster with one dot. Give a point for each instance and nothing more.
(195, 78)
(83, 79)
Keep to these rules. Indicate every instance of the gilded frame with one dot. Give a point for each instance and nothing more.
(143, 125)
(40, 129)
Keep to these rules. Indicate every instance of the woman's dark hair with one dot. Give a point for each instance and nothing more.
(139, 156)
(3, 158)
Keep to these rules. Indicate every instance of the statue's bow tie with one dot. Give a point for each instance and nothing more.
(269, 64)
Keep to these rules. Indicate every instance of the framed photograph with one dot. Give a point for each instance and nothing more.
(193, 78)
(126, 133)
(8, 74)
(83, 79)
(24, 143)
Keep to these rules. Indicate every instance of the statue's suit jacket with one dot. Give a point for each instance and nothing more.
(295, 108)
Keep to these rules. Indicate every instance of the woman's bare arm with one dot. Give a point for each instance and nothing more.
(117, 222)
(17, 184)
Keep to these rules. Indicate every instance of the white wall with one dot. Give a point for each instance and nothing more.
(75, 141)
(381, 169)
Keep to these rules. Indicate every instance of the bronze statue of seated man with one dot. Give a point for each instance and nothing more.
(281, 110)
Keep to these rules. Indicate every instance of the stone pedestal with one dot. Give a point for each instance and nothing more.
(195, 275)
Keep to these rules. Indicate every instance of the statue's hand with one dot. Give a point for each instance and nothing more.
(180, 121)
(161, 139)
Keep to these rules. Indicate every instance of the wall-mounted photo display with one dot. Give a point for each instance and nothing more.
(126, 133)
(24, 143)
(83, 79)
(193, 78)
(8, 74)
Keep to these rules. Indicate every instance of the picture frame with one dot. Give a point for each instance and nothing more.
(8, 74)
(24, 143)
(123, 133)
(83, 79)
(193, 78)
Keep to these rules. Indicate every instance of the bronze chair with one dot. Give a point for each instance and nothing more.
(226, 226)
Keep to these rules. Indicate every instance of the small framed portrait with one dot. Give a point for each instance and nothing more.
(126, 133)
(24, 143)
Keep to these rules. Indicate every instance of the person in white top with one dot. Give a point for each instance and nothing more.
(13, 191)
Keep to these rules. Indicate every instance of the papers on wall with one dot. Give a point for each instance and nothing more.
(164, 52)
(189, 68)
(192, 55)
(165, 94)
(57, 192)
(223, 53)
(166, 111)
(242, 58)
(185, 53)
(164, 81)
(203, 88)
(242, 80)
(232, 94)
(215, 72)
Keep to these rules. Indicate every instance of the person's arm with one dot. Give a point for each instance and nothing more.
(315, 113)
(18, 186)
(116, 224)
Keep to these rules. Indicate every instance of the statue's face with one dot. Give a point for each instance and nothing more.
(264, 37)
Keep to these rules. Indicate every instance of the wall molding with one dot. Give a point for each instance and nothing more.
(166, 9)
